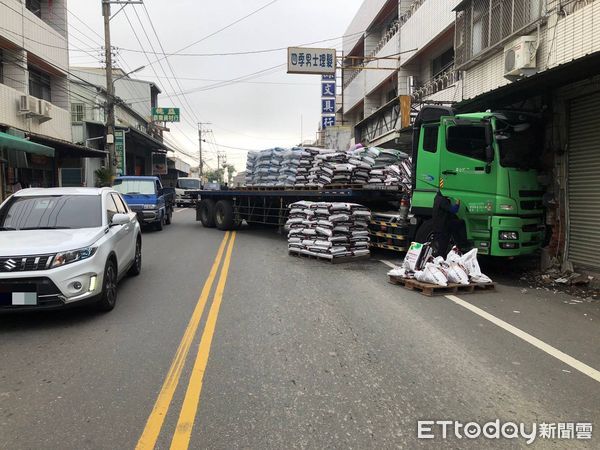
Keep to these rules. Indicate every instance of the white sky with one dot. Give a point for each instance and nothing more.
(262, 113)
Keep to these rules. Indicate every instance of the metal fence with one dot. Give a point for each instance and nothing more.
(482, 24)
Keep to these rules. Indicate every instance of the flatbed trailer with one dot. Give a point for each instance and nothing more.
(267, 205)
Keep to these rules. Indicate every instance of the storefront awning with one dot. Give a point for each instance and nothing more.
(68, 149)
(538, 84)
(10, 142)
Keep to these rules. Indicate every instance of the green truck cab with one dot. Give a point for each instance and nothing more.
(488, 161)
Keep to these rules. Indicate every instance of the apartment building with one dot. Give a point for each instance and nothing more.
(35, 123)
(133, 105)
(395, 49)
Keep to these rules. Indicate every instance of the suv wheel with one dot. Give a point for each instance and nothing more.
(136, 267)
(108, 297)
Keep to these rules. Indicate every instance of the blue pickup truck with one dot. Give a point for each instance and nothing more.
(147, 197)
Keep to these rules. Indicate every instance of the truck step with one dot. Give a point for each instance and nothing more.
(433, 289)
(338, 260)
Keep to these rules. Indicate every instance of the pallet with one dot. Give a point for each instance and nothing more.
(339, 260)
(318, 188)
(432, 289)
(382, 223)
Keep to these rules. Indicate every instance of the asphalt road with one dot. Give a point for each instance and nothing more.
(225, 342)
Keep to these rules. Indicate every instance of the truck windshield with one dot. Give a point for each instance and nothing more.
(188, 183)
(52, 212)
(134, 187)
(520, 149)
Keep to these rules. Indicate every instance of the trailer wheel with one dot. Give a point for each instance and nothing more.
(206, 211)
(224, 217)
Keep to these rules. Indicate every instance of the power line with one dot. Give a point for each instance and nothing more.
(220, 29)
(248, 52)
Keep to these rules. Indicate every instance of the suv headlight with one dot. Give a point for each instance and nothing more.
(62, 258)
(509, 236)
(149, 206)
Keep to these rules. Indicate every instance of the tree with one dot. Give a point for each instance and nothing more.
(214, 175)
(230, 171)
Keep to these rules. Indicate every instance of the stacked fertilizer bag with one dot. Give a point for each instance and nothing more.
(363, 163)
(250, 163)
(328, 230)
(328, 165)
(304, 165)
(288, 170)
(457, 268)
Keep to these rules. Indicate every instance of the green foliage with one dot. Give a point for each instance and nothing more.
(103, 177)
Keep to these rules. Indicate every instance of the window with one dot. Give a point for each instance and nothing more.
(442, 63)
(111, 208)
(39, 84)
(482, 24)
(77, 112)
(35, 6)
(430, 138)
(121, 208)
(467, 140)
(64, 211)
(134, 187)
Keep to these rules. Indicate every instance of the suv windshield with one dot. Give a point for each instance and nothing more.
(188, 183)
(51, 212)
(132, 187)
(519, 149)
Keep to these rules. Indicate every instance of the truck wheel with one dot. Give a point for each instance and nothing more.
(224, 217)
(160, 224)
(425, 232)
(206, 213)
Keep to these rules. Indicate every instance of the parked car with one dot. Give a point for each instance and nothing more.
(63, 246)
(185, 186)
(147, 197)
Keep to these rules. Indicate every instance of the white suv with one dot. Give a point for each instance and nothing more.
(61, 246)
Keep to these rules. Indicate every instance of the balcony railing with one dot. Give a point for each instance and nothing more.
(390, 33)
(438, 83)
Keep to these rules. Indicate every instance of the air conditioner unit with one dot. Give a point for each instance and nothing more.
(34, 106)
(24, 104)
(45, 110)
(520, 57)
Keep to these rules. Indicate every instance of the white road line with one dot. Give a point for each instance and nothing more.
(389, 264)
(179, 210)
(569, 360)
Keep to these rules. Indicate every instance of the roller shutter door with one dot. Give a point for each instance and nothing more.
(584, 181)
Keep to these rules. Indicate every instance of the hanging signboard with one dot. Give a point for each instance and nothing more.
(159, 164)
(165, 115)
(313, 61)
(120, 152)
(328, 106)
(327, 121)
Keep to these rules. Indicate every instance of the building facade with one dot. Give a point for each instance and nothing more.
(134, 100)
(540, 57)
(35, 122)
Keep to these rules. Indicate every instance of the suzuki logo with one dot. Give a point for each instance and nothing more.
(10, 264)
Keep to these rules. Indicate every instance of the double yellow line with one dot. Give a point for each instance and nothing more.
(185, 423)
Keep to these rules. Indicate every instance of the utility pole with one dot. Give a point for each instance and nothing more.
(200, 161)
(110, 91)
(110, 86)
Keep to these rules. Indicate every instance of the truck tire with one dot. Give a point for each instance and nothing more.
(224, 217)
(425, 232)
(206, 213)
(160, 224)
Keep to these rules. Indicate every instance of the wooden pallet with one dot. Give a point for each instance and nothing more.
(398, 237)
(432, 289)
(339, 260)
